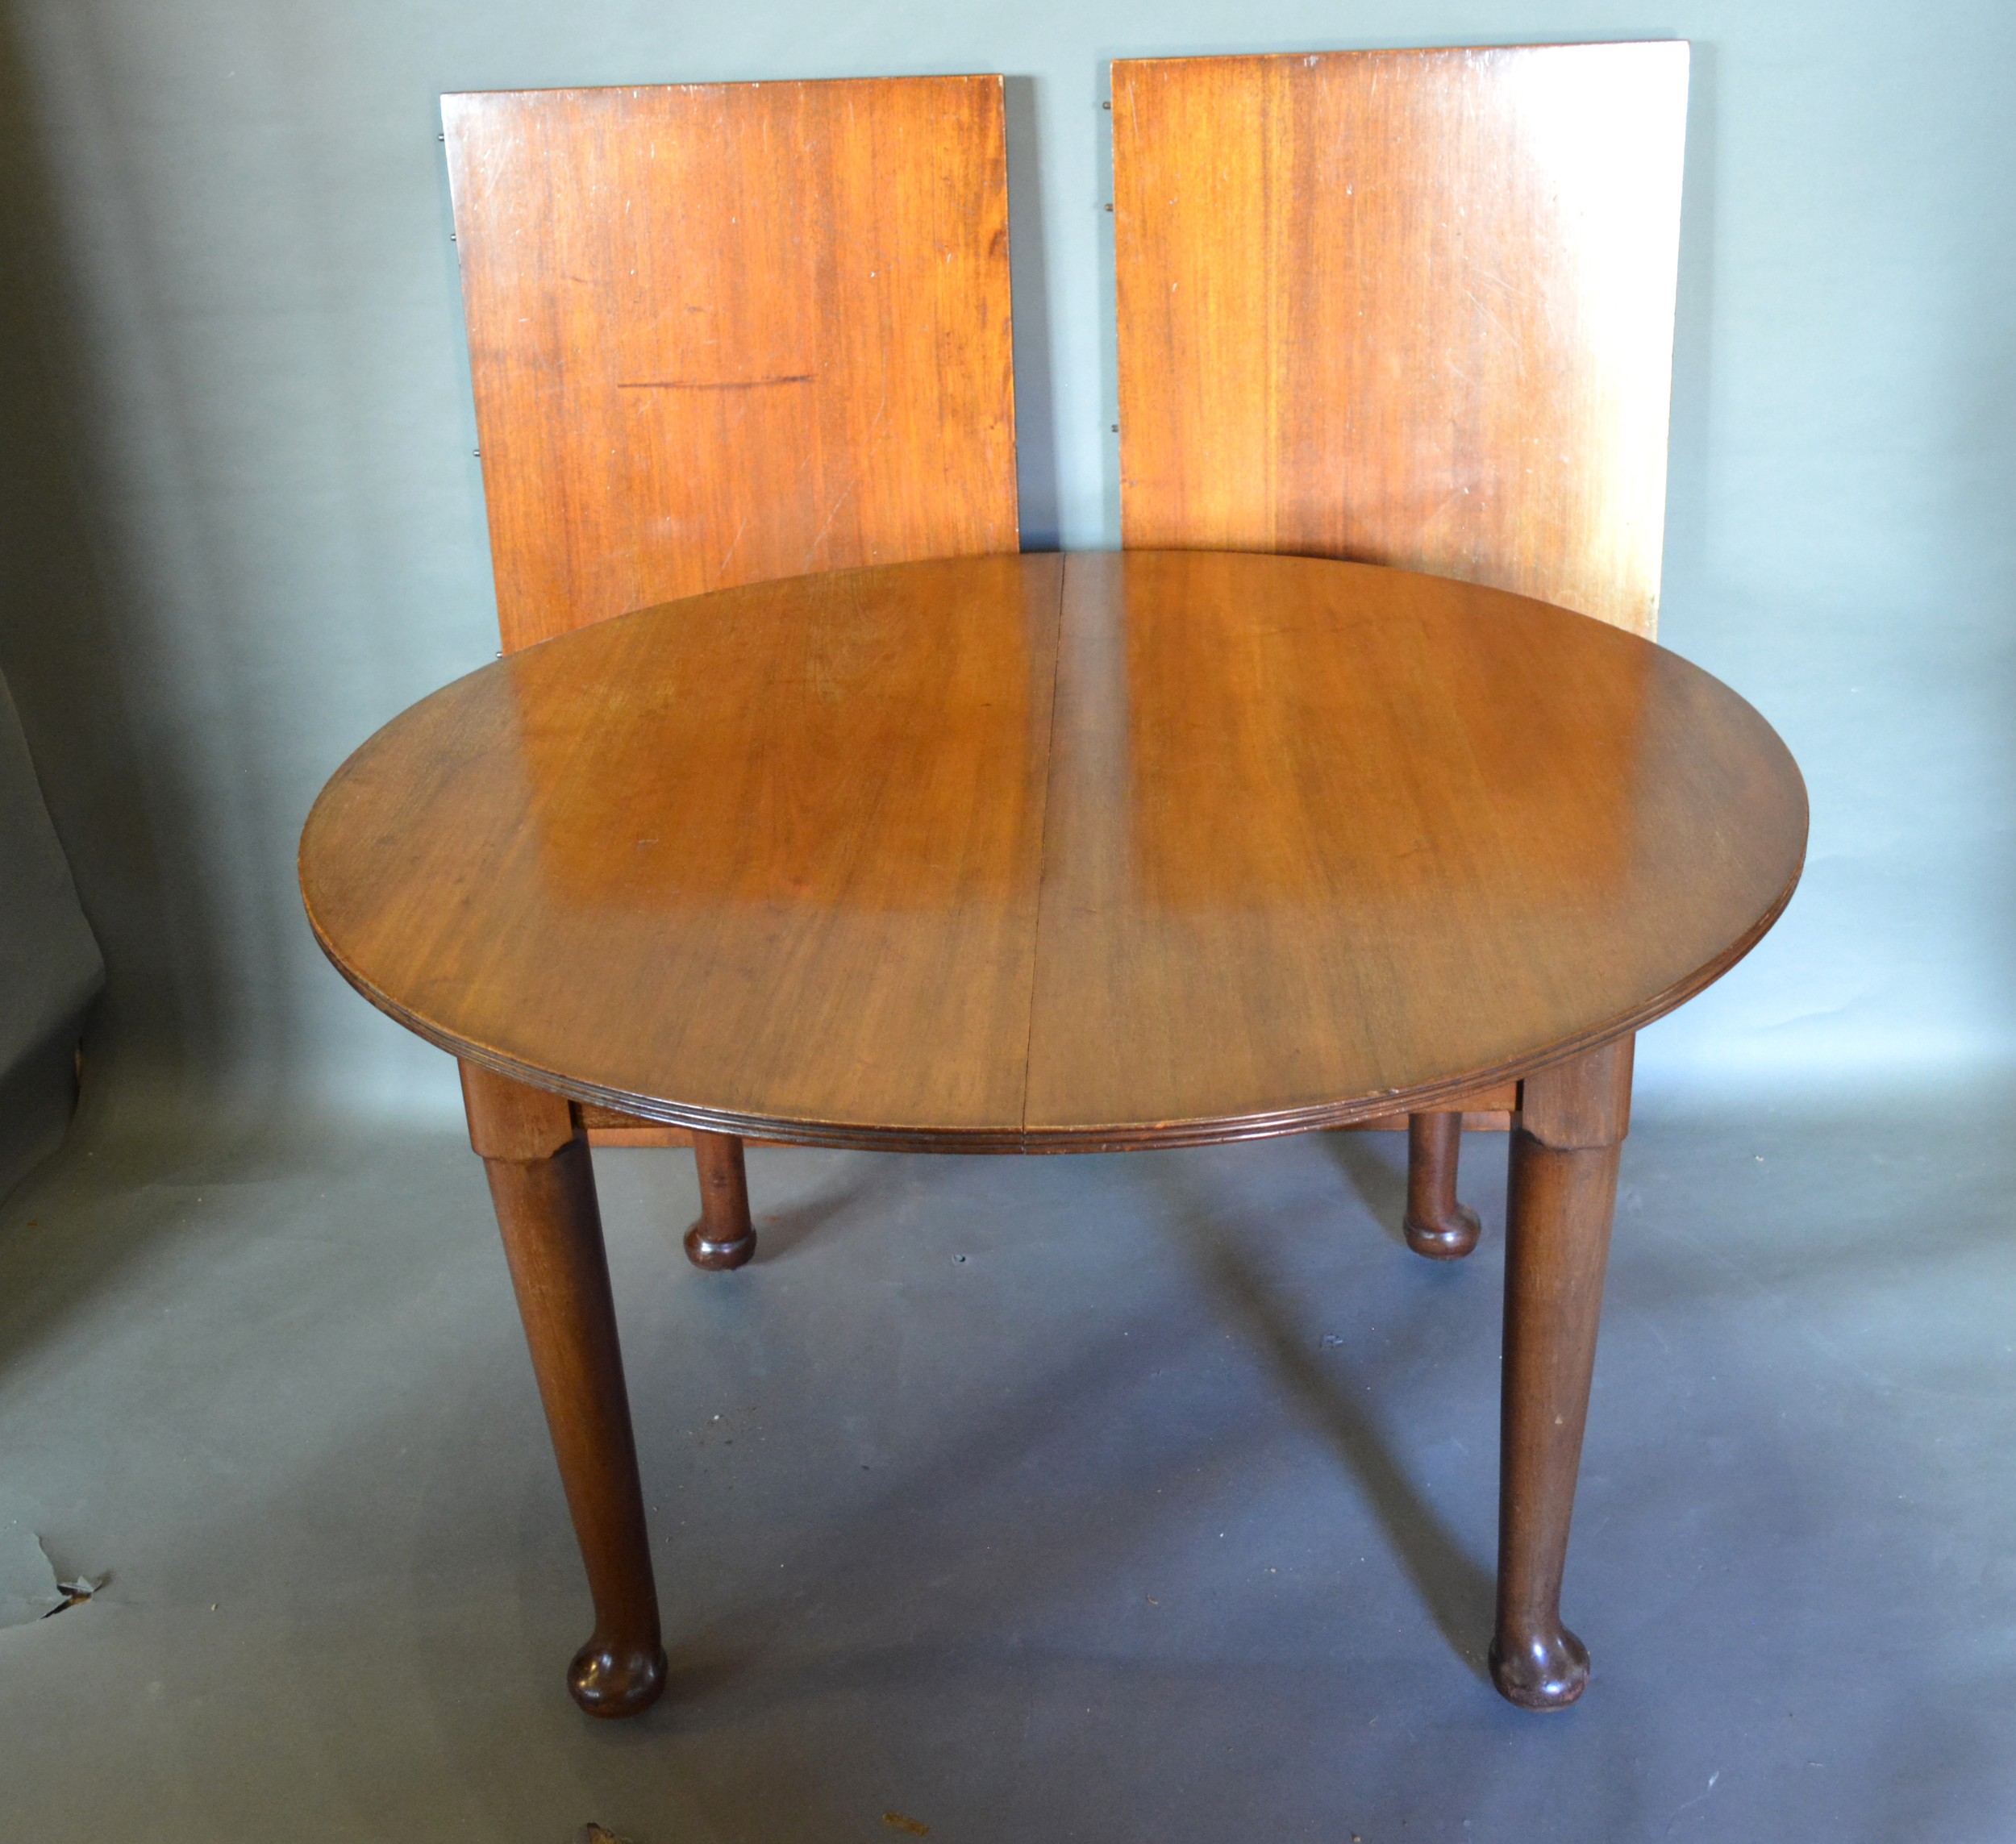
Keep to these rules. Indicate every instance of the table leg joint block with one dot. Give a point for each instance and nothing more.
(1585, 1101)
(509, 1120)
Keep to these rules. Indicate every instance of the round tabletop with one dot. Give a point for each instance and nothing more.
(1043, 853)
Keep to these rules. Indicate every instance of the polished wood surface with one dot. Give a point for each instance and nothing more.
(1572, 1124)
(1301, 843)
(537, 1162)
(1411, 307)
(723, 333)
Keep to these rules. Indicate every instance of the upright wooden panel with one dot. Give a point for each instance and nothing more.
(1406, 307)
(722, 333)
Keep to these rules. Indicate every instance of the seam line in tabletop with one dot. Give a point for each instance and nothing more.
(1042, 844)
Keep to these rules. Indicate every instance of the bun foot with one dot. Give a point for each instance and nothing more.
(1436, 1225)
(703, 1251)
(1448, 1237)
(613, 1681)
(723, 1237)
(1546, 1671)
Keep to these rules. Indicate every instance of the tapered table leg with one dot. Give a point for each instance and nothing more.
(723, 1238)
(544, 1191)
(1565, 1144)
(1436, 1225)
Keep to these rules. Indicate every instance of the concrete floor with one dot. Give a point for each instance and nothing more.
(1107, 1499)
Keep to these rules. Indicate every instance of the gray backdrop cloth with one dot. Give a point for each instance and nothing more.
(50, 966)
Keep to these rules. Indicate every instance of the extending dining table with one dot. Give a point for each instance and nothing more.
(1046, 853)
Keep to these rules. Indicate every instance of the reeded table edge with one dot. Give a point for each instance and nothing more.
(1111, 1137)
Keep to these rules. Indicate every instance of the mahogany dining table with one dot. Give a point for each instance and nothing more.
(1046, 853)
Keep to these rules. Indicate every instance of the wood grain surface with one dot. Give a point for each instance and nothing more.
(1031, 853)
(1410, 307)
(723, 333)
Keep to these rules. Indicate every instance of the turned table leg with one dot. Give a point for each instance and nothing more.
(544, 1191)
(1565, 1143)
(1436, 1225)
(723, 1236)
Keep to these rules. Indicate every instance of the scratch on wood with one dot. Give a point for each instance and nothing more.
(714, 384)
(833, 512)
(726, 554)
